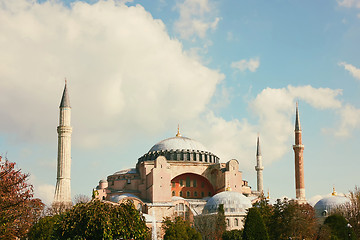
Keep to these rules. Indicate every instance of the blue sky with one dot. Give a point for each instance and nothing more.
(223, 70)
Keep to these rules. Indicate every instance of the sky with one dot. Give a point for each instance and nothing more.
(225, 71)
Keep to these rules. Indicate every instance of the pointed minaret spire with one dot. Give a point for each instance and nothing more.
(258, 150)
(65, 100)
(63, 188)
(297, 120)
(299, 160)
(259, 167)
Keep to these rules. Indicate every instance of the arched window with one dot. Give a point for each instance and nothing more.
(228, 222)
(195, 194)
(180, 193)
(187, 194)
(202, 194)
(173, 193)
(236, 222)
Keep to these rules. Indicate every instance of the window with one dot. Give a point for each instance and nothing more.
(202, 194)
(181, 207)
(128, 181)
(194, 183)
(195, 194)
(209, 194)
(173, 184)
(173, 193)
(187, 181)
(180, 193)
(187, 194)
(202, 184)
(181, 183)
(227, 222)
(112, 183)
(236, 222)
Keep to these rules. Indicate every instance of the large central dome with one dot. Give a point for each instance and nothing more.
(180, 149)
(181, 143)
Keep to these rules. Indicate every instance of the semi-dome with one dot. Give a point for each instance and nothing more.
(326, 205)
(234, 203)
(178, 143)
(180, 149)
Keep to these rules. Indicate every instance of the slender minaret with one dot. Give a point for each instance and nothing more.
(259, 168)
(63, 190)
(299, 160)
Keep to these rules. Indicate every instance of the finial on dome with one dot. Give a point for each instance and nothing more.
(334, 193)
(268, 195)
(228, 188)
(178, 132)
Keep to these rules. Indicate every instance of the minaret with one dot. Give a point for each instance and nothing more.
(299, 160)
(259, 168)
(63, 189)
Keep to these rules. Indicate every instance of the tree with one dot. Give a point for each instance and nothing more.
(254, 228)
(81, 198)
(351, 211)
(18, 209)
(179, 229)
(339, 227)
(292, 220)
(220, 224)
(43, 229)
(100, 220)
(205, 225)
(265, 210)
(232, 235)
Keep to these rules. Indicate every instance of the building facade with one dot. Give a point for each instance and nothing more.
(179, 177)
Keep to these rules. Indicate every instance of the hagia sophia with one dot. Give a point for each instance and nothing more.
(179, 176)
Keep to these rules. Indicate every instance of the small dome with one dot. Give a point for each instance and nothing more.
(118, 198)
(327, 204)
(234, 202)
(103, 181)
(181, 143)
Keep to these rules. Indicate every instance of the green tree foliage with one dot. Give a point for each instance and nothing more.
(232, 235)
(265, 210)
(293, 220)
(99, 220)
(43, 229)
(18, 209)
(339, 227)
(288, 219)
(351, 211)
(179, 229)
(254, 228)
(220, 224)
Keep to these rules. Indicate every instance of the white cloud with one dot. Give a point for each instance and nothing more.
(252, 64)
(196, 18)
(350, 120)
(125, 74)
(349, 3)
(275, 109)
(355, 72)
(43, 191)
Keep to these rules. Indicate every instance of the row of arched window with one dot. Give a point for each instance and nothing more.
(191, 194)
(236, 222)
